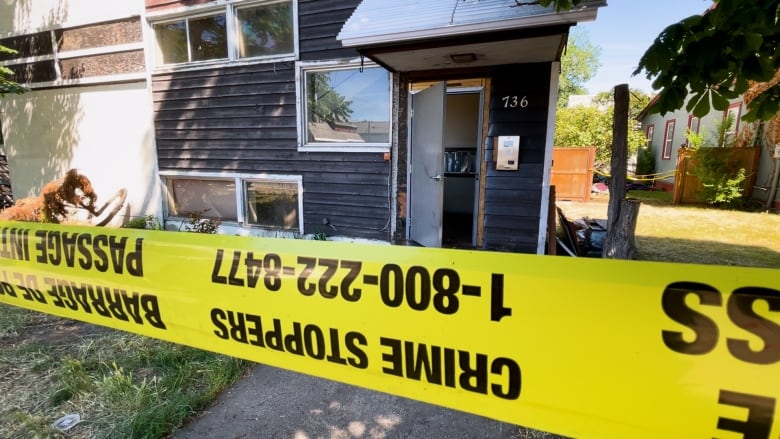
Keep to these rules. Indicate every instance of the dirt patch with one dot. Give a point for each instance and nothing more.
(50, 331)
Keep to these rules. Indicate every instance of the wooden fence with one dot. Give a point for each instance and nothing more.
(572, 173)
(688, 187)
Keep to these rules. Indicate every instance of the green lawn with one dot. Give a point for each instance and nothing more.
(694, 234)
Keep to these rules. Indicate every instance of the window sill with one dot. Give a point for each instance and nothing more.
(203, 65)
(344, 148)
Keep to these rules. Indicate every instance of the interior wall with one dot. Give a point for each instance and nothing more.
(461, 132)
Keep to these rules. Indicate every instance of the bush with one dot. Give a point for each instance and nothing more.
(645, 162)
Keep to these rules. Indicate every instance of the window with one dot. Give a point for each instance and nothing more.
(649, 136)
(347, 108)
(668, 140)
(210, 198)
(693, 124)
(266, 30)
(229, 33)
(731, 120)
(267, 201)
(272, 203)
(192, 39)
(89, 54)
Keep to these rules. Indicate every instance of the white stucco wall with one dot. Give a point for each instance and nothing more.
(28, 16)
(105, 131)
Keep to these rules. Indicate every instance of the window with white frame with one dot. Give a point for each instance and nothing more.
(344, 107)
(237, 30)
(267, 201)
(668, 140)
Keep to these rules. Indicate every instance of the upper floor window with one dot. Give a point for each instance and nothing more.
(347, 108)
(668, 140)
(234, 31)
(649, 135)
(693, 124)
(731, 122)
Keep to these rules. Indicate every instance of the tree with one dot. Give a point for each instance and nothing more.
(578, 65)
(714, 56)
(637, 103)
(325, 104)
(592, 126)
(6, 84)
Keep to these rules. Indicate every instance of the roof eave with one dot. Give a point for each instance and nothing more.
(571, 18)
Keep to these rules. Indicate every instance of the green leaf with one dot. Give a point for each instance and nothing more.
(719, 102)
(702, 104)
(754, 40)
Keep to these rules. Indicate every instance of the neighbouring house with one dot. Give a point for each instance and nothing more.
(395, 120)
(667, 133)
(89, 105)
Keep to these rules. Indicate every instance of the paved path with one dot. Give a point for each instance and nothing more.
(277, 404)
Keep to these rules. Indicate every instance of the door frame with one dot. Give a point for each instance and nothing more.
(478, 200)
(479, 85)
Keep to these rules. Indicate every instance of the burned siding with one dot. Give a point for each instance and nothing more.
(90, 51)
(513, 198)
(244, 119)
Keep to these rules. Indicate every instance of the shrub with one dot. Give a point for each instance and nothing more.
(645, 162)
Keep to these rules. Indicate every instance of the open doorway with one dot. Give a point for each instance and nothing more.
(461, 157)
(444, 164)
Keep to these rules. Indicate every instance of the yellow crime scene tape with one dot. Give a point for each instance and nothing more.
(581, 347)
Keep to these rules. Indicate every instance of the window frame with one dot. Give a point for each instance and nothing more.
(300, 91)
(668, 145)
(649, 133)
(54, 55)
(734, 109)
(229, 8)
(240, 180)
(693, 120)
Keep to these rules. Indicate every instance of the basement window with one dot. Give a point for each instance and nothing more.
(264, 201)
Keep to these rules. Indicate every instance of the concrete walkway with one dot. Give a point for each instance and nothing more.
(277, 404)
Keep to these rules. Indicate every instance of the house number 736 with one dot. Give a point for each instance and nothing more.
(515, 101)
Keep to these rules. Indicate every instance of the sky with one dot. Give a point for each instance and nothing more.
(624, 29)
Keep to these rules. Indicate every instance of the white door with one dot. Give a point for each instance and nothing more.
(426, 163)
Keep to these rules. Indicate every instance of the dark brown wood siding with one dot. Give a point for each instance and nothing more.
(243, 119)
(319, 22)
(513, 198)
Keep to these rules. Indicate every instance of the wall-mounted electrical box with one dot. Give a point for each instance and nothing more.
(507, 152)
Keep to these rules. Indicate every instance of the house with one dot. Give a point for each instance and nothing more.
(90, 104)
(667, 133)
(395, 120)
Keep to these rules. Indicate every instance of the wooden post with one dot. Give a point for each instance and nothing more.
(619, 242)
(621, 213)
(551, 231)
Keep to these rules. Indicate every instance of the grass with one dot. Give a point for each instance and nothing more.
(122, 385)
(694, 234)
